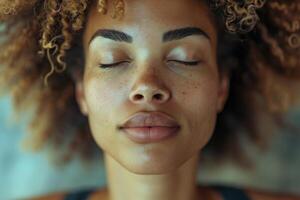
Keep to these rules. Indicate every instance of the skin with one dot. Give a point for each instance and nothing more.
(192, 95)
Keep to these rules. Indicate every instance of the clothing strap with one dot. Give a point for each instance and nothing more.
(230, 193)
(227, 193)
(79, 195)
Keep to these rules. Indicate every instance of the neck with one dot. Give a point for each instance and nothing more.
(176, 185)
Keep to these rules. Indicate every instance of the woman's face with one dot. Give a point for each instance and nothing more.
(152, 76)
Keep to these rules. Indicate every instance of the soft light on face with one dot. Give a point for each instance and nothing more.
(151, 60)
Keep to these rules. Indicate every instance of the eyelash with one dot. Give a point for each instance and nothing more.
(191, 63)
(112, 65)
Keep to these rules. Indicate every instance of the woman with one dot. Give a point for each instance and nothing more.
(148, 79)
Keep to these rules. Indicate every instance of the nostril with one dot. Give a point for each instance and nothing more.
(158, 96)
(138, 97)
(154, 97)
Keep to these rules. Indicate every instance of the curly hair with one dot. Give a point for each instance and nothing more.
(259, 41)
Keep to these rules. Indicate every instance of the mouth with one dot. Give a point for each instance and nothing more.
(148, 127)
(150, 134)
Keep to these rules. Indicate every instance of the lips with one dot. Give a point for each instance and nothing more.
(146, 127)
(146, 119)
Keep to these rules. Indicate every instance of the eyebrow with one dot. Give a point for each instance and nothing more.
(113, 35)
(182, 33)
(171, 35)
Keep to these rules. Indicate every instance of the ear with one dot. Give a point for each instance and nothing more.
(223, 91)
(80, 97)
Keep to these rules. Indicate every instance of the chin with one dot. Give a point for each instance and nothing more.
(146, 170)
(151, 166)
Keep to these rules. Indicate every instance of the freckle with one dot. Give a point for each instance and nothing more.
(183, 93)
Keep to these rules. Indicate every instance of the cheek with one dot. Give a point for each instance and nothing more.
(98, 97)
(102, 97)
(200, 110)
(103, 92)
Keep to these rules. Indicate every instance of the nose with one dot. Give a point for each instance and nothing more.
(149, 88)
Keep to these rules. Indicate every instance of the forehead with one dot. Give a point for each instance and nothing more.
(152, 17)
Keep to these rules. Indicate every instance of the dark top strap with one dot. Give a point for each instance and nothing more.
(227, 193)
(230, 193)
(79, 195)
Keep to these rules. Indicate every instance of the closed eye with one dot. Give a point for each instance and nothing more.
(190, 63)
(112, 64)
(186, 62)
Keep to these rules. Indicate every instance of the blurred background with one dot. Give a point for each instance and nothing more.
(23, 174)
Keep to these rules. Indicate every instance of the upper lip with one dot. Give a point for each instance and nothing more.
(146, 119)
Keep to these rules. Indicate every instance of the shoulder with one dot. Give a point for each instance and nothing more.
(55, 196)
(214, 193)
(92, 194)
(261, 195)
(204, 192)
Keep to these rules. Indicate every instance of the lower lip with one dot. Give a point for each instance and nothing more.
(150, 134)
